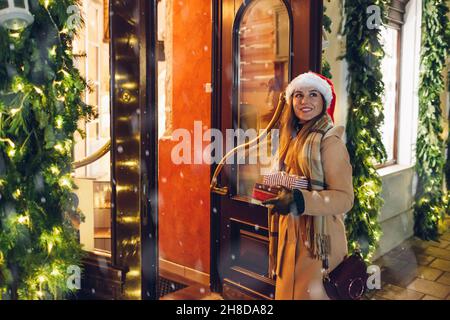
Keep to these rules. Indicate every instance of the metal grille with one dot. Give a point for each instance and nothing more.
(166, 286)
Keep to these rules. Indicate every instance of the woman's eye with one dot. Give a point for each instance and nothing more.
(313, 94)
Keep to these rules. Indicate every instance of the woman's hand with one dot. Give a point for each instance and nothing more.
(283, 203)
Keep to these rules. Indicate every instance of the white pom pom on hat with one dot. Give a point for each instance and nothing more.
(318, 81)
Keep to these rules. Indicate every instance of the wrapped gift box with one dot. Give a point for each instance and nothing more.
(270, 187)
(287, 180)
(264, 192)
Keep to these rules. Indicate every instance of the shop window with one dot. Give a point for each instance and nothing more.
(390, 71)
(94, 180)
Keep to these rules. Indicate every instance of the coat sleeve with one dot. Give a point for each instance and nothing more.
(338, 197)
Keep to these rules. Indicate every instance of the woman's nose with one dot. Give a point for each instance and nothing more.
(304, 100)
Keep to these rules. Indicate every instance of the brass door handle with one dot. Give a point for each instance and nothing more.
(223, 191)
(93, 157)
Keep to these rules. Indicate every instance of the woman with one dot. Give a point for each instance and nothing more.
(310, 223)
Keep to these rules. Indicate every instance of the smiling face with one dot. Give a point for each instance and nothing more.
(307, 103)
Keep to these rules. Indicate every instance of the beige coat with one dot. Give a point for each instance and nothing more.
(298, 275)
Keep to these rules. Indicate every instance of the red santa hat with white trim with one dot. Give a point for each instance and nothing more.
(321, 83)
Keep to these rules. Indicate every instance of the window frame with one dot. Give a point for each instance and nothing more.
(395, 20)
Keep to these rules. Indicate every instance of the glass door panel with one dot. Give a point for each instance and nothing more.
(263, 51)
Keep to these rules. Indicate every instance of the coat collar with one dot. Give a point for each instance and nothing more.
(337, 131)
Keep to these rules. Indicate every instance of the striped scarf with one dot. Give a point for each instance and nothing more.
(310, 163)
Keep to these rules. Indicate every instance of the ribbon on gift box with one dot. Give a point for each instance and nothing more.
(290, 181)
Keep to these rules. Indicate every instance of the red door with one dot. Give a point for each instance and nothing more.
(259, 46)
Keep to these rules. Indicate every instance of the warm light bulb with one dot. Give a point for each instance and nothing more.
(65, 182)
(52, 51)
(49, 246)
(15, 111)
(59, 147)
(16, 194)
(23, 220)
(38, 90)
(59, 122)
(54, 169)
(11, 152)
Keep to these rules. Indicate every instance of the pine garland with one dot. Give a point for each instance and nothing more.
(429, 205)
(364, 54)
(40, 107)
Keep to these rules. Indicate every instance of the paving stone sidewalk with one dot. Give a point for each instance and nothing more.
(415, 270)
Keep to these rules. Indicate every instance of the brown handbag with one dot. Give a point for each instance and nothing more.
(348, 281)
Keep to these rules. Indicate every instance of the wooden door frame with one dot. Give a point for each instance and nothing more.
(136, 69)
(300, 29)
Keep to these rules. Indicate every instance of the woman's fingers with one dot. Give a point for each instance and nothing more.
(283, 188)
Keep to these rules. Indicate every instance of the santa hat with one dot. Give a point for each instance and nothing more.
(319, 82)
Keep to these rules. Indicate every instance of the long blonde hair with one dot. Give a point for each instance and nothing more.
(289, 124)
